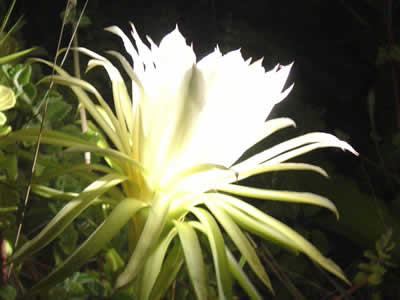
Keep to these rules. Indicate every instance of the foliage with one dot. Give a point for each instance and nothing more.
(7, 292)
(379, 261)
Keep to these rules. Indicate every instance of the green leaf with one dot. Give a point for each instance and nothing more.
(193, 258)
(67, 214)
(8, 58)
(97, 240)
(217, 245)
(113, 260)
(8, 209)
(68, 239)
(7, 292)
(24, 75)
(3, 119)
(9, 196)
(370, 254)
(48, 137)
(12, 166)
(67, 170)
(7, 16)
(4, 130)
(375, 279)
(71, 16)
(58, 110)
(47, 192)
(75, 144)
(30, 91)
(7, 98)
(13, 27)
(85, 21)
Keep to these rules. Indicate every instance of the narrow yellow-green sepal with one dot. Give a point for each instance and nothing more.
(296, 239)
(67, 214)
(242, 278)
(79, 87)
(97, 240)
(287, 196)
(302, 144)
(268, 167)
(193, 258)
(240, 240)
(249, 223)
(153, 265)
(169, 271)
(152, 228)
(209, 226)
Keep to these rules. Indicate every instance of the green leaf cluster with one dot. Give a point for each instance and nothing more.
(379, 261)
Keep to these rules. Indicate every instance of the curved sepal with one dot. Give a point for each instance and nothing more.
(169, 271)
(210, 227)
(240, 240)
(153, 265)
(148, 238)
(242, 278)
(193, 258)
(286, 196)
(296, 239)
(67, 214)
(247, 222)
(97, 240)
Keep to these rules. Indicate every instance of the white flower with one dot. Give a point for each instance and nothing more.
(209, 112)
(175, 145)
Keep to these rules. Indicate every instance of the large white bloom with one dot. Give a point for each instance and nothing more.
(175, 145)
(208, 112)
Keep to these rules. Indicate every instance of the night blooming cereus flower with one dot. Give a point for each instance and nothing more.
(173, 166)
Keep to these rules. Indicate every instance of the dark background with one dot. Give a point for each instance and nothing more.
(334, 46)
